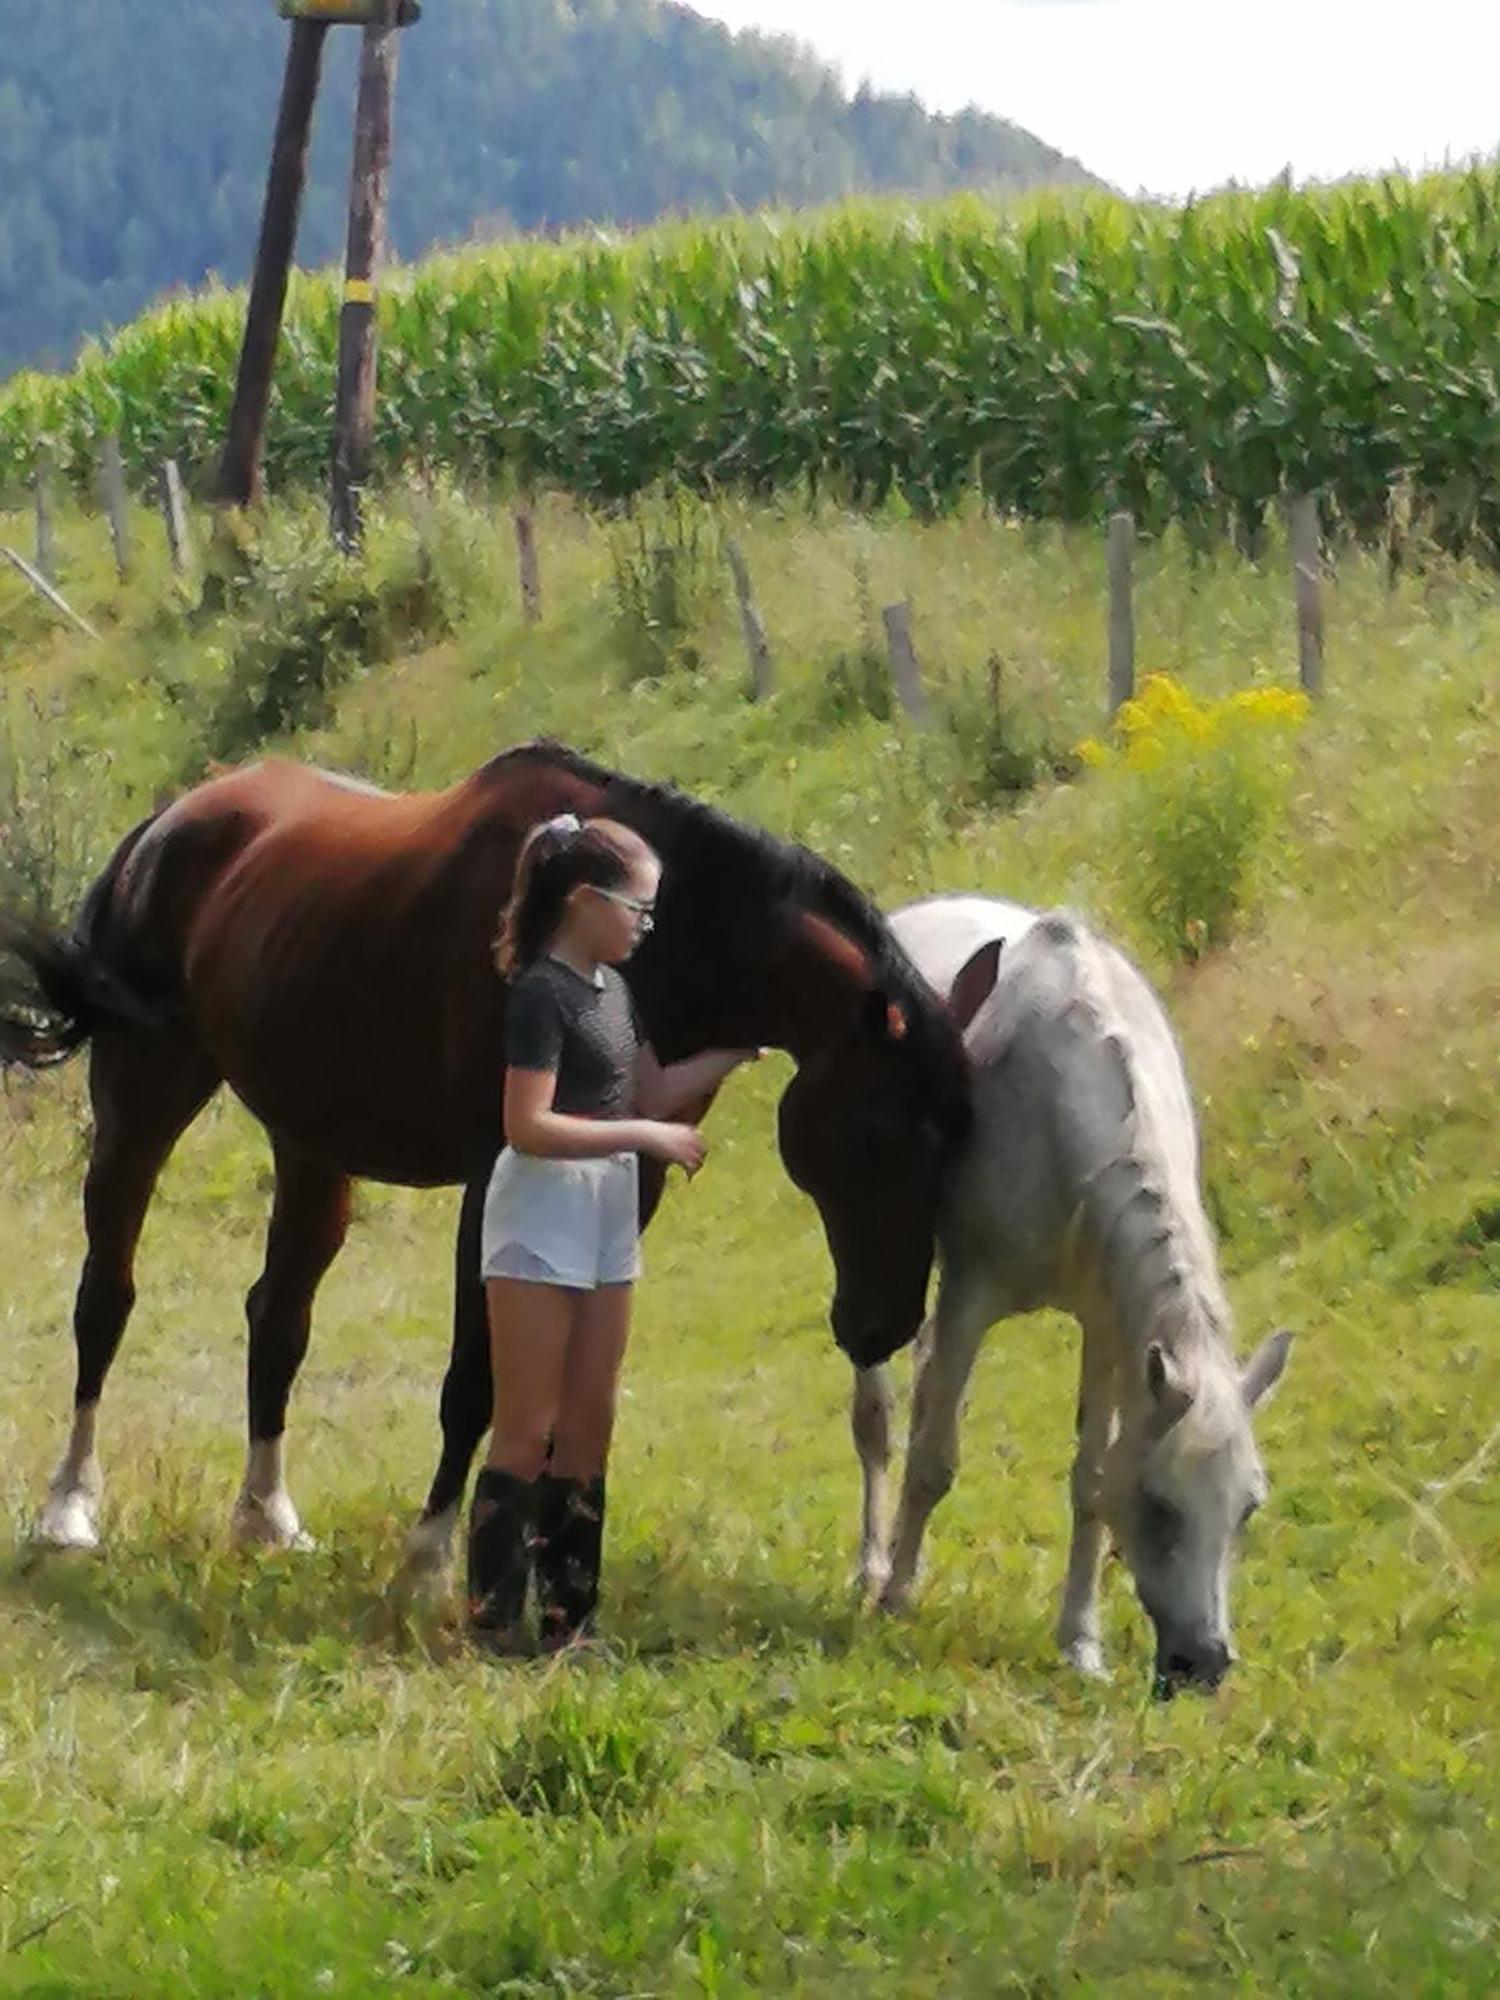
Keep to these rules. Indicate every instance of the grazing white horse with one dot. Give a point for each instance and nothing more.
(1079, 1188)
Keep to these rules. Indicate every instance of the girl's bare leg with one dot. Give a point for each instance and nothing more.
(591, 1381)
(531, 1328)
(570, 1541)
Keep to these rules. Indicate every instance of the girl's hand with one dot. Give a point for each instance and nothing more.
(677, 1145)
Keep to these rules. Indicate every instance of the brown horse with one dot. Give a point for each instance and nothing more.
(324, 948)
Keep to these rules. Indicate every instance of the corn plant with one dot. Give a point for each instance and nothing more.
(1065, 356)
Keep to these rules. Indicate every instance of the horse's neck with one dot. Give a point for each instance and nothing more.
(739, 969)
(1153, 1258)
(702, 997)
(716, 976)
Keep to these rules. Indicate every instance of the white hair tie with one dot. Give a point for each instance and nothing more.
(562, 824)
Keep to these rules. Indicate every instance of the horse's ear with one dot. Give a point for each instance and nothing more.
(1170, 1390)
(837, 947)
(975, 983)
(1264, 1369)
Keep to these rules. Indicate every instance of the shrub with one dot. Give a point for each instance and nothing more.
(1200, 785)
(311, 618)
(318, 619)
(1006, 745)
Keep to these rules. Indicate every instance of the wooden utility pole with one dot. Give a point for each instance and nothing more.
(369, 193)
(239, 481)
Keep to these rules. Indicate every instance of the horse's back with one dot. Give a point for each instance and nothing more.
(327, 944)
(939, 934)
(1073, 1007)
(1076, 1072)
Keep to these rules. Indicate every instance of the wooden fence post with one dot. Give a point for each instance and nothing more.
(1121, 562)
(46, 538)
(1305, 536)
(44, 589)
(174, 513)
(524, 518)
(905, 671)
(757, 646)
(112, 492)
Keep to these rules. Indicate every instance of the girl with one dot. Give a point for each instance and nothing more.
(583, 1096)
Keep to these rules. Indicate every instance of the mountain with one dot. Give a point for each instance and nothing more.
(134, 136)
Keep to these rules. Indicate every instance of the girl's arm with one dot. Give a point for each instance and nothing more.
(662, 1092)
(532, 1126)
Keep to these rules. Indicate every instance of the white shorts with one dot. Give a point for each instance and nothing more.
(562, 1222)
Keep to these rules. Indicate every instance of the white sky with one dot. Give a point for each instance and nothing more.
(1151, 94)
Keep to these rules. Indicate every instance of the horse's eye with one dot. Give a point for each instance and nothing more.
(1161, 1524)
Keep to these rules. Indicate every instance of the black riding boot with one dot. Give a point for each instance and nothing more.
(570, 1542)
(502, 1543)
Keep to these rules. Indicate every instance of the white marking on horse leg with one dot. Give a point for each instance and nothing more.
(70, 1516)
(943, 1370)
(264, 1516)
(870, 1415)
(1078, 1624)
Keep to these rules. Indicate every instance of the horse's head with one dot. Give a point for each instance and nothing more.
(868, 1127)
(1181, 1479)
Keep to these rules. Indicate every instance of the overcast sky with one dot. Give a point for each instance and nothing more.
(1150, 95)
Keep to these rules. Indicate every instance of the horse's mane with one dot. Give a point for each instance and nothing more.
(1159, 1250)
(735, 871)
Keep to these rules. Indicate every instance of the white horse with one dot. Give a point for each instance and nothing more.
(1079, 1188)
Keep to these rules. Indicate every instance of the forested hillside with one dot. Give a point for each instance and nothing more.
(134, 135)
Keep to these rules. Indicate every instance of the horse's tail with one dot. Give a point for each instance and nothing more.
(54, 992)
(57, 987)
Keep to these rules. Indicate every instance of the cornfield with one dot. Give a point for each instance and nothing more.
(1062, 358)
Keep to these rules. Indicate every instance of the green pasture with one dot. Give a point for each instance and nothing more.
(230, 1775)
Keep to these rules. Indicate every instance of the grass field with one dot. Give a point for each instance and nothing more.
(222, 1775)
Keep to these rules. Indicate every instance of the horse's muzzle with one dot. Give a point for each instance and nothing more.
(1201, 1665)
(867, 1341)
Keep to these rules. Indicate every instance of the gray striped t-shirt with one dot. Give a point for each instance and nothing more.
(589, 1033)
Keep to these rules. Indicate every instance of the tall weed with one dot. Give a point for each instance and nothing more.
(46, 818)
(666, 564)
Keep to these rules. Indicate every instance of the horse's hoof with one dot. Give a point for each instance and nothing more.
(271, 1523)
(894, 1600)
(428, 1546)
(68, 1521)
(1086, 1657)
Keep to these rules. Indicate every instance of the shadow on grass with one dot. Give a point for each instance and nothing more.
(683, 1607)
(176, 1615)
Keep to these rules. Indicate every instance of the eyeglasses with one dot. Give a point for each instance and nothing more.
(644, 913)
